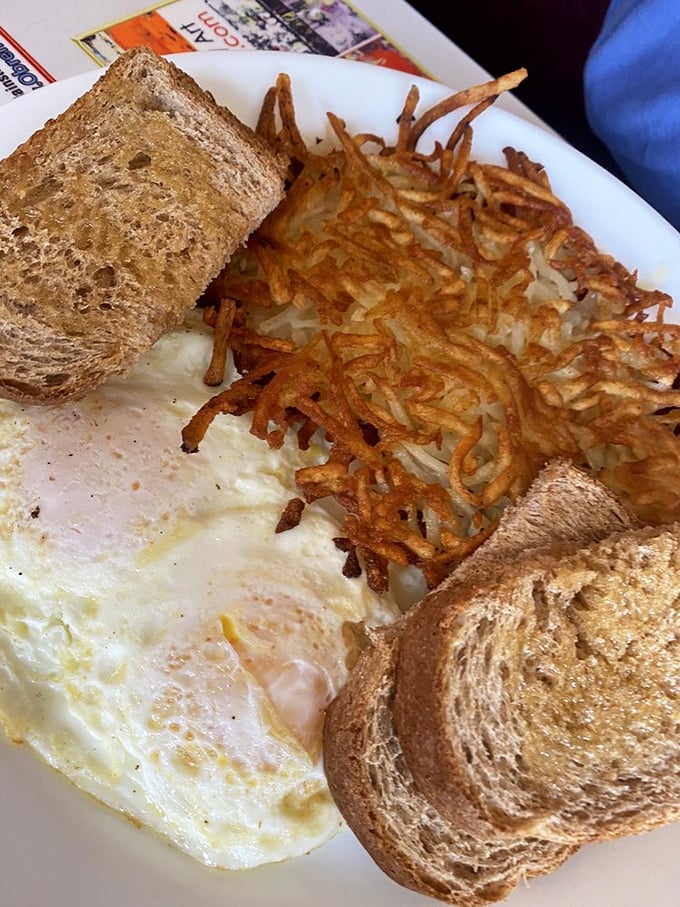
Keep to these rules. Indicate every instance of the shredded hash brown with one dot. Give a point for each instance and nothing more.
(446, 328)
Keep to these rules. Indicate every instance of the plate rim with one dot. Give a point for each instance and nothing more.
(543, 888)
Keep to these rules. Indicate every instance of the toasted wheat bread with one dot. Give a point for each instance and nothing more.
(114, 217)
(405, 834)
(549, 693)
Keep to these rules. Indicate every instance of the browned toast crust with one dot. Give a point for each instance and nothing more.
(458, 856)
(114, 217)
(544, 700)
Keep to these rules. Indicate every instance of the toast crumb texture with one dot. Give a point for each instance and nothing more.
(552, 692)
(504, 720)
(114, 218)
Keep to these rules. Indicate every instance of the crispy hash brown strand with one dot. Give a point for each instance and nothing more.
(447, 328)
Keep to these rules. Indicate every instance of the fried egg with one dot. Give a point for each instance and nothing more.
(160, 644)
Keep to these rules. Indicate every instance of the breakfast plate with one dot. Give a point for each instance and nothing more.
(57, 846)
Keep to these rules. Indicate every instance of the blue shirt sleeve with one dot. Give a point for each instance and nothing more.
(632, 97)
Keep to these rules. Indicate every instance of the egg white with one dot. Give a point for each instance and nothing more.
(160, 645)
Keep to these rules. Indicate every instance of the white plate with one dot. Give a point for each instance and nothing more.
(57, 848)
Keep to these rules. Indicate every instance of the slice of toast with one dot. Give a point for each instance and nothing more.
(114, 217)
(408, 837)
(550, 693)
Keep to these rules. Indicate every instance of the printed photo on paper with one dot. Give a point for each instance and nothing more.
(327, 27)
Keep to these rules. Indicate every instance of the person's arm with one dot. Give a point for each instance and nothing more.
(632, 95)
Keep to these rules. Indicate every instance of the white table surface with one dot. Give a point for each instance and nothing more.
(46, 29)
